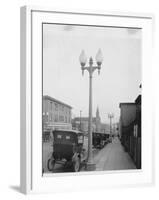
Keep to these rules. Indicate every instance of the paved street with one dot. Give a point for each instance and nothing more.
(113, 157)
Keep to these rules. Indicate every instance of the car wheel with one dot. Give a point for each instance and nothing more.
(50, 164)
(76, 165)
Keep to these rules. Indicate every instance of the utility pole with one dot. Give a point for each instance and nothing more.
(110, 116)
(80, 120)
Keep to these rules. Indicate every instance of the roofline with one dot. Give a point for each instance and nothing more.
(87, 118)
(138, 98)
(69, 130)
(128, 103)
(53, 99)
(101, 133)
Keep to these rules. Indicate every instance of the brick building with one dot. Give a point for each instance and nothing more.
(56, 114)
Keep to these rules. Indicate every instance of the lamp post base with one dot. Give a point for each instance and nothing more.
(90, 166)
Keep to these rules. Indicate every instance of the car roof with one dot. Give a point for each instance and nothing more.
(69, 131)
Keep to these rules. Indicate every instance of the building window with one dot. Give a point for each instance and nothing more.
(51, 105)
(53, 117)
(61, 118)
(56, 106)
(60, 107)
(56, 118)
(50, 116)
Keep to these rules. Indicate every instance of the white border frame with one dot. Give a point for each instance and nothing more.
(31, 49)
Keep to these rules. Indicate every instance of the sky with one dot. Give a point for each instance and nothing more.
(120, 74)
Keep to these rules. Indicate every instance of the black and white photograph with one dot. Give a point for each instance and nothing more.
(91, 98)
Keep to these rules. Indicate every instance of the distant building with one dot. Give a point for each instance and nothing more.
(138, 115)
(130, 116)
(97, 121)
(127, 114)
(105, 128)
(81, 123)
(115, 129)
(130, 129)
(56, 114)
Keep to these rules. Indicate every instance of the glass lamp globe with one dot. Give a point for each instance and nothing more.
(99, 57)
(82, 58)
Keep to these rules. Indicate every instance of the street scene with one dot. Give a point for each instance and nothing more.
(111, 157)
(91, 103)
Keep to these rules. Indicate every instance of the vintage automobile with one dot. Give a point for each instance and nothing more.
(67, 149)
(100, 140)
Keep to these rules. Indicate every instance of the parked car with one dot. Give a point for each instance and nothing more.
(67, 149)
(99, 140)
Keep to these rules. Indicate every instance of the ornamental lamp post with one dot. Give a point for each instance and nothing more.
(80, 121)
(90, 166)
(110, 116)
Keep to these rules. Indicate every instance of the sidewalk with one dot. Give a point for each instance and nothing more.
(113, 157)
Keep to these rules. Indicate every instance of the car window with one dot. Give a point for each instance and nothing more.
(59, 136)
(80, 139)
(68, 137)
